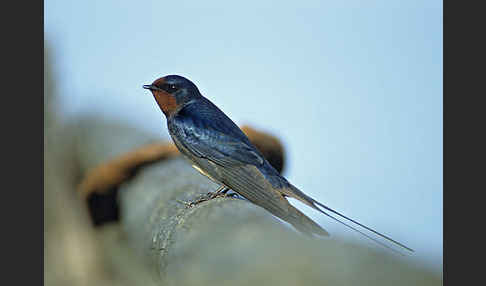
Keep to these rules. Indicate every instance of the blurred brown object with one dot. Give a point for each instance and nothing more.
(108, 175)
(269, 145)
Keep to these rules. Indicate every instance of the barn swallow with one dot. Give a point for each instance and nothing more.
(218, 149)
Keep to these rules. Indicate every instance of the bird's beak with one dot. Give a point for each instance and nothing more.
(149, 87)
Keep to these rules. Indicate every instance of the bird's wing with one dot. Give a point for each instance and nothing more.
(208, 133)
(212, 135)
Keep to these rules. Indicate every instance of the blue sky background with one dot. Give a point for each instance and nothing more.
(352, 88)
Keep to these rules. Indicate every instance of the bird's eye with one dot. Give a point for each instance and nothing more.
(170, 88)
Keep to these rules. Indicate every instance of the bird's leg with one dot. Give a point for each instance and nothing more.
(224, 191)
(221, 190)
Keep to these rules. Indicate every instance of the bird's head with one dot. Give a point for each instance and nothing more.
(172, 92)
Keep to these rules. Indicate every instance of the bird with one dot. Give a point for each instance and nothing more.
(218, 149)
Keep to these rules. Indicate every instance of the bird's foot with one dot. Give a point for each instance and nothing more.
(221, 195)
(222, 192)
(188, 204)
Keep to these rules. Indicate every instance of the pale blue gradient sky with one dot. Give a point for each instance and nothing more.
(353, 89)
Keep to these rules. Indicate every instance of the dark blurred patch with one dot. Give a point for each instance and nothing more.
(103, 208)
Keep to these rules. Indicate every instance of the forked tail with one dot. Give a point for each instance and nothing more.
(297, 194)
